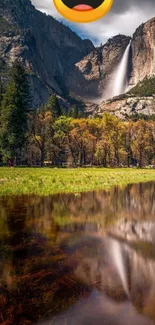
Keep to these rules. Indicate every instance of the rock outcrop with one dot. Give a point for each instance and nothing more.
(127, 107)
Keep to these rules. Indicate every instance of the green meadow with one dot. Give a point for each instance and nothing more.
(46, 181)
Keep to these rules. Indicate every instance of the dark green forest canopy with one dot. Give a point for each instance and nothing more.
(146, 87)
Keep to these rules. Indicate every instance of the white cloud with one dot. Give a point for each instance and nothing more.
(114, 23)
(46, 6)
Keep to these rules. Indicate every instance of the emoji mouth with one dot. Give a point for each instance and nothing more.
(83, 5)
(82, 8)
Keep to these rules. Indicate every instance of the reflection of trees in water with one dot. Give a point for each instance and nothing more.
(134, 201)
(37, 213)
(43, 213)
(34, 274)
(27, 258)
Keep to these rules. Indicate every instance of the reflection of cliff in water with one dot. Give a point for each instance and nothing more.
(108, 302)
(57, 261)
(77, 282)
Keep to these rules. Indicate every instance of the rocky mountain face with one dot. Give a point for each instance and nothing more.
(57, 60)
(48, 49)
(96, 70)
(143, 52)
(92, 74)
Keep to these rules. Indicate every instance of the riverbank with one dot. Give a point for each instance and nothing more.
(46, 181)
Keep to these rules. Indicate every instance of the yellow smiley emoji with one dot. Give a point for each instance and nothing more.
(83, 11)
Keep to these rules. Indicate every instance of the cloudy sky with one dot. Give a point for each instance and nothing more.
(124, 17)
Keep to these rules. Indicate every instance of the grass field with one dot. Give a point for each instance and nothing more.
(45, 181)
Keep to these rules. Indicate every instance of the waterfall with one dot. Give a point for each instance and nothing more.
(120, 81)
(117, 257)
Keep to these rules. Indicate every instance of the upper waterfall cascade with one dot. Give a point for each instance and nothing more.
(120, 81)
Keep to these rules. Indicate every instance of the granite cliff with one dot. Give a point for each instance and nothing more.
(141, 69)
(48, 49)
(143, 52)
(92, 74)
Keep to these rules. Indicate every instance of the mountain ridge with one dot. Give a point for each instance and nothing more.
(59, 61)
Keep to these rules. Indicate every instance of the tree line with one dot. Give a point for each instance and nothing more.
(51, 136)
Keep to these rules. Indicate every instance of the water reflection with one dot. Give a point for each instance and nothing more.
(78, 259)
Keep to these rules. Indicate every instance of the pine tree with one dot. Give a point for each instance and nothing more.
(18, 75)
(74, 112)
(54, 106)
(2, 79)
(1, 95)
(1, 91)
(14, 109)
